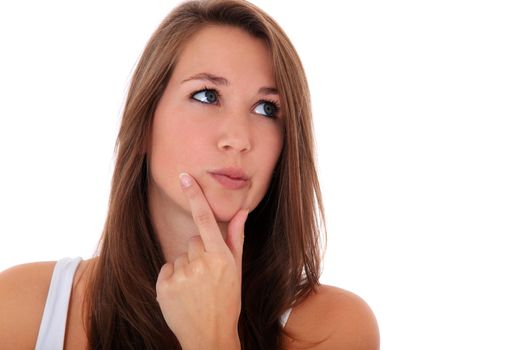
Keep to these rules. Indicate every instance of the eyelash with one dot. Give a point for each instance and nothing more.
(275, 103)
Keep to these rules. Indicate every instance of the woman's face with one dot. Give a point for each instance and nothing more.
(213, 115)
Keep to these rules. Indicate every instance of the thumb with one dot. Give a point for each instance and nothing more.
(235, 239)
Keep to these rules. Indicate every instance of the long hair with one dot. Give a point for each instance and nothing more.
(282, 248)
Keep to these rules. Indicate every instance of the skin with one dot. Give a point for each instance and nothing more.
(194, 137)
(201, 227)
(200, 293)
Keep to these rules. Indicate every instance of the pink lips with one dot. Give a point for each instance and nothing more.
(231, 178)
(228, 182)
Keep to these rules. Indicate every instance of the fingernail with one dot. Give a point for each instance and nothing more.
(185, 180)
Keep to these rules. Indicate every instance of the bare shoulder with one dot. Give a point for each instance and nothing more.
(333, 318)
(23, 293)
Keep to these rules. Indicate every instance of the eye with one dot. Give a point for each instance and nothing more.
(209, 96)
(267, 108)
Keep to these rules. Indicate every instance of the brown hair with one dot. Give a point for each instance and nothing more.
(282, 256)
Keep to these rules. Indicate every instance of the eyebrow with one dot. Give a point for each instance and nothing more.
(223, 81)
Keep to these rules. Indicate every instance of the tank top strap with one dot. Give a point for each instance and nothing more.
(53, 325)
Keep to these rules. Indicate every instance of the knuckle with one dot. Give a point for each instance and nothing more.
(217, 261)
(181, 259)
(164, 270)
(198, 266)
(192, 192)
(163, 289)
(178, 267)
(179, 277)
(203, 218)
(195, 240)
(160, 287)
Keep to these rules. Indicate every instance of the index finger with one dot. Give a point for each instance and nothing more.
(202, 214)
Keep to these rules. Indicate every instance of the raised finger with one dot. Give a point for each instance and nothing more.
(195, 248)
(202, 215)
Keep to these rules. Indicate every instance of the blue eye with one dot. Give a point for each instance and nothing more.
(209, 96)
(267, 108)
(263, 107)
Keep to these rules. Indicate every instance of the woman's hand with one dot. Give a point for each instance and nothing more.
(200, 292)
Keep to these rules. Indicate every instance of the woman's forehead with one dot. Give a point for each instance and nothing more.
(228, 52)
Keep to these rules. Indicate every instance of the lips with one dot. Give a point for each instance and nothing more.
(233, 173)
(231, 178)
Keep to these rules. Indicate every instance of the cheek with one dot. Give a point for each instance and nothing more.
(275, 146)
(188, 146)
(182, 138)
(173, 146)
(272, 150)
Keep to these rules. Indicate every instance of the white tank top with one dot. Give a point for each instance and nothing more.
(53, 326)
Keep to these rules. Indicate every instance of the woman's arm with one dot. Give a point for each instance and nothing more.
(337, 319)
(23, 292)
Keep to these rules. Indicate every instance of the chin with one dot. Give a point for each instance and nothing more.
(224, 213)
(225, 207)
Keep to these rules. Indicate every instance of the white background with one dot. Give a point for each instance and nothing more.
(419, 114)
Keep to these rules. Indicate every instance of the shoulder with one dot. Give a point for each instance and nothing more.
(23, 293)
(333, 318)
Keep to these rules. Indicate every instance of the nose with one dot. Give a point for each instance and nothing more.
(235, 134)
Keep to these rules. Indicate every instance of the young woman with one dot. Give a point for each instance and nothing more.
(212, 240)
